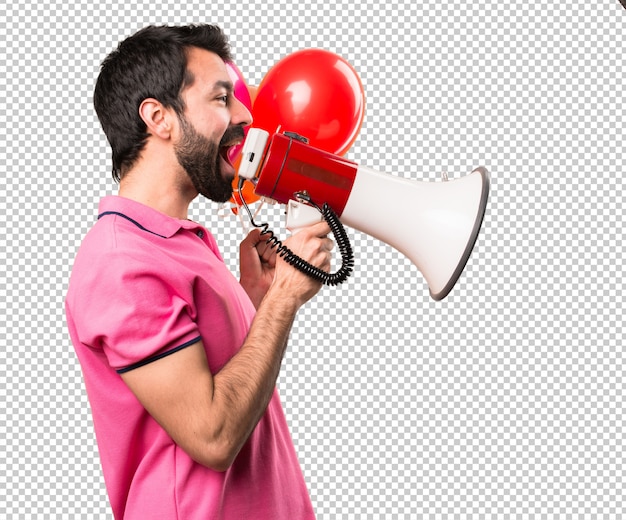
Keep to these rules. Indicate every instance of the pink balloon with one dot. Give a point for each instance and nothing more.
(239, 83)
(240, 90)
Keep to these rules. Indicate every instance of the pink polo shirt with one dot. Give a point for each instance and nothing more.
(144, 286)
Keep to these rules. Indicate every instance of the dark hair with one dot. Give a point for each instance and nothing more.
(152, 63)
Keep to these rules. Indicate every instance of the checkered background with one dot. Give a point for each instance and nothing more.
(505, 400)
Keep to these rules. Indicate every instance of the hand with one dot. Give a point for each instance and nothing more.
(311, 244)
(257, 263)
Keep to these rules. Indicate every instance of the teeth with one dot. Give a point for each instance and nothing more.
(232, 143)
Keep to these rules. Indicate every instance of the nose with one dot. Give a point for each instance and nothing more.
(239, 113)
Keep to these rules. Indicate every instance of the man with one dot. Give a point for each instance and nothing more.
(180, 360)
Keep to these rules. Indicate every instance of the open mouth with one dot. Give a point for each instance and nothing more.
(225, 154)
(231, 144)
(229, 151)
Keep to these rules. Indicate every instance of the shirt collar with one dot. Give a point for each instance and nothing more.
(146, 217)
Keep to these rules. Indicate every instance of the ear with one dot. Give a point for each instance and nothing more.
(158, 119)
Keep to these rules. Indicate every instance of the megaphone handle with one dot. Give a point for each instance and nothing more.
(300, 215)
(343, 244)
(341, 238)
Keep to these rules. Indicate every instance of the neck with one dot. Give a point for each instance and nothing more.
(151, 187)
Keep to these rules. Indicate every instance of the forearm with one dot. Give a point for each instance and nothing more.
(243, 388)
(211, 416)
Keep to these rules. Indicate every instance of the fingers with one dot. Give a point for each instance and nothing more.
(311, 242)
(313, 245)
(323, 257)
(265, 250)
(323, 245)
(251, 240)
(255, 240)
(319, 229)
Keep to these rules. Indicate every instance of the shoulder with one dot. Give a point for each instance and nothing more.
(115, 239)
(111, 256)
(122, 285)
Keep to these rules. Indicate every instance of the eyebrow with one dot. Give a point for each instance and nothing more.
(226, 85)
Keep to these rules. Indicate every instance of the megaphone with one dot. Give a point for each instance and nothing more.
(434, 224)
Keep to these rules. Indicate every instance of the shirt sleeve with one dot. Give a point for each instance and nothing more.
(135, 309)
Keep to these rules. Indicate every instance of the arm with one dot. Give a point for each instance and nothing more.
(212, 416)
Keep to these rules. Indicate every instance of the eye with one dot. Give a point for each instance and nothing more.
(223, 99)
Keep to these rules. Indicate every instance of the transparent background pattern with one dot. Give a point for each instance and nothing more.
(505, 400)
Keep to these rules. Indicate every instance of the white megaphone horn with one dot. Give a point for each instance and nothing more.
(434, 224)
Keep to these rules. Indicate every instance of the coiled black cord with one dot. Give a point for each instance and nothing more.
(338, 231)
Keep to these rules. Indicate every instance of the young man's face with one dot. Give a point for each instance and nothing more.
(211, 124)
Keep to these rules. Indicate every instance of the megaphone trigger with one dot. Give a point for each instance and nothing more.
(300, 215)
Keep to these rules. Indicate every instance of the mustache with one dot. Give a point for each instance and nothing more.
(233, 133)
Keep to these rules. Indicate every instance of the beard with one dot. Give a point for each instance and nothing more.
(200, 158)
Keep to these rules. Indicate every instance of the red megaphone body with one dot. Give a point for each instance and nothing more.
(434, 224)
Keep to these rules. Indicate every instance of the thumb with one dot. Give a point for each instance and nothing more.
(253, 238)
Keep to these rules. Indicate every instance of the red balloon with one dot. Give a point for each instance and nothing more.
(316, 94)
